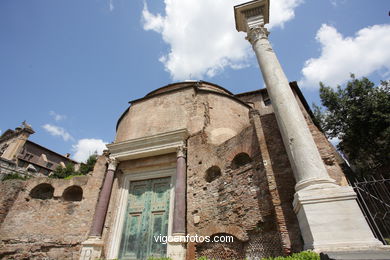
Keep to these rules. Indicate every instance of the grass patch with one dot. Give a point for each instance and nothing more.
(71, 176)
(14, 176)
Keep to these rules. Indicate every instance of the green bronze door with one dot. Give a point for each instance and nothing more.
(146, 216)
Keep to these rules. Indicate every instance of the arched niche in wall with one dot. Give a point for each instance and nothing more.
(212, 173)
(42, 191)
(73, 193)
(240, 159)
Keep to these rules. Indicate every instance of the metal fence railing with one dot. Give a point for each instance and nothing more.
(373, 196)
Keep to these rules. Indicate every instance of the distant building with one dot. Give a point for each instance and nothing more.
(20, 155)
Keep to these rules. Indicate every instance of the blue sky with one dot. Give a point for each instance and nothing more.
(70, 67)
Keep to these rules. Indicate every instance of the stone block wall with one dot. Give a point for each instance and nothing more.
(48, 218)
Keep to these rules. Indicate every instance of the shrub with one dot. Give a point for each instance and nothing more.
(86, 167)
(305, 255)
(14, 176)
(62, 172)
(69, 172)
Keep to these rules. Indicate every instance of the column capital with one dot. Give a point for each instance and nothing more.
(112, 163)
(251, 14)
(181, 151)
(256, 33)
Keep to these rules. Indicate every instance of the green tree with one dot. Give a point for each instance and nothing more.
(86, 167)
(69, 169)
(359, 115)
(62, 172)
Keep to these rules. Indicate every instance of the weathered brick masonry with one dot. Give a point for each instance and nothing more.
(239, 180)
(51, 226)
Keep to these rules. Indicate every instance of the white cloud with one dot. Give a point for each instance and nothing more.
(362, 55)
(202, 36)
(111, 5)
(86, 147)
(336, 3)
(57, 117)
(282, 11)
(57, 131)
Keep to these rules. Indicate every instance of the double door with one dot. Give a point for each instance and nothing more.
(146, 218)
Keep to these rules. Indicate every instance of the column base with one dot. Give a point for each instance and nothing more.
(91, 248)
(377, 253)
(316, 183)
(176, 251)
(330, 219)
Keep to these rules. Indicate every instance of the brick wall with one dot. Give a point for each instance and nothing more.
(50, 228)
(238, 202)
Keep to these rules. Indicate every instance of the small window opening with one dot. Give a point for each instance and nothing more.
(266, 99)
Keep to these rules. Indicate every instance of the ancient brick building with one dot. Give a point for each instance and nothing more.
(239, 180)
(189, 158)
(193, 159)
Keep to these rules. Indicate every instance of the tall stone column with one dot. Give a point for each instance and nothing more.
(104, 198)
(177, 250)
(329, 216)
(304, 157)
(93, 246)
(179, 212)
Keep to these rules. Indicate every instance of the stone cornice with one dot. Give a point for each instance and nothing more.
(148, 146)
(251, 13)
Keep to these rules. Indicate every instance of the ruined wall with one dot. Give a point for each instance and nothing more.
(237, 201)
(9, 191)
(281, 182)
(48, 218)
(327, 151)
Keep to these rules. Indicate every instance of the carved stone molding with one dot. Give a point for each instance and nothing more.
(257, 33)
(148, 146)
(112, 163)
(182, 151)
